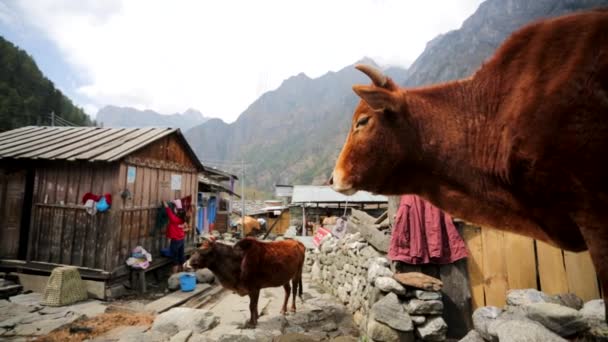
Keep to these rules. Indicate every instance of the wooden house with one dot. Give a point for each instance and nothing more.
(44, 173)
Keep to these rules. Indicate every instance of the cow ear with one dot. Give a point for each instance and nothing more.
(379, 99)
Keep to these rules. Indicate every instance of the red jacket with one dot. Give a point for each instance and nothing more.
(174, 231)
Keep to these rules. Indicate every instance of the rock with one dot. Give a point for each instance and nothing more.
(177, 319)
(570, 300)
(345, 339)
(390, 311)
(434, 329)
(315, 272)
(45, 326)
(594, 310)
(388, 284)
(382, 261)
(181, 336)
(472, 336)
(368, 252)
(173, 282)
(204, 276)
(427, 295)
(419, 280)
(295, 337)
(529, 296)
(418, 319)
(560, 319)
(376, 271)
(525, 331)
(33, 298)
(381, 332)
(374, 296)
(424, 307)
(483, 317)
(123, 333)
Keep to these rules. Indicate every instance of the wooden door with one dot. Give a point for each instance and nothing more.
(12, 192)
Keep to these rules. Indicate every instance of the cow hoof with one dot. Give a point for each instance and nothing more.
(293, 310)
(249, 325)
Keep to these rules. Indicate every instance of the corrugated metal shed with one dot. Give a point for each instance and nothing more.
(82, 143)
(325, 194)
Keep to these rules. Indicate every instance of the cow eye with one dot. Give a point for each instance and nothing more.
(362, 121)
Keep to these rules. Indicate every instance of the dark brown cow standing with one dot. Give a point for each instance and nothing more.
(520, 146)
(252, 265)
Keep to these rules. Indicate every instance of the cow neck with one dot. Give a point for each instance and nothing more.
(226, 264)
(453, 123)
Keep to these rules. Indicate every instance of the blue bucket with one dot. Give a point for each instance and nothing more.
(187, 282)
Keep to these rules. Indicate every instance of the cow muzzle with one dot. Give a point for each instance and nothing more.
(338, 185)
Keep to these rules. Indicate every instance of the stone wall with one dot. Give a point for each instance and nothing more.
(384, 309)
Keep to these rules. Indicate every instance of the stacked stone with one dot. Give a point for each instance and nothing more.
(384, 309)
(532, 315)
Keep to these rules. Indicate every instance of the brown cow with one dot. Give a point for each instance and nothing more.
(518, 146)
(252, 265)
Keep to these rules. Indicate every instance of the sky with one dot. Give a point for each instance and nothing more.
(214, 56)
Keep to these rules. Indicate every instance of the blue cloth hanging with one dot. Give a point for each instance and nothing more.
(211, 206)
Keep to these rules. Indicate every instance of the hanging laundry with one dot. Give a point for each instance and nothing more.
(90, 207)
(140, 258)
(424, 234)
(211, 206)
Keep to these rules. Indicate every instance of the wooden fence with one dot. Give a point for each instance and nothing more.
(500, 261)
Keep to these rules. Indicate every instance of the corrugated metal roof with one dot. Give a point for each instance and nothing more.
(82, 143)
(325, 194)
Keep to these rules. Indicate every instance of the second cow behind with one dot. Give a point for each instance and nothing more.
(251, 265)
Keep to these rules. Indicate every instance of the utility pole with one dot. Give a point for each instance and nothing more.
(242, 199)
(52, 118)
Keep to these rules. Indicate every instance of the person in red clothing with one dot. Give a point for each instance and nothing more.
(176, 231)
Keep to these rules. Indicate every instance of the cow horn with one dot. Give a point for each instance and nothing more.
(376, 75)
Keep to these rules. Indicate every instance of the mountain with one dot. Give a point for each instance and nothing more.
(113, 116)
(290, 135)
(27, 97)
(293, 134)
(459, 53)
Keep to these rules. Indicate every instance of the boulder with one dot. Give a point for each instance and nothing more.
(529, 296)
(390, 311)
(388, 284)
(424, 307)
(472, 336)
(570, 300)
(205, 276)
(434, 329)
(181, 336)
(594, 310)
(382, 332)
(418, 319)
(560, 319)
(177, 319)
(376, 271)
(482, 317)
(427, 295)
(173, 282)
(525, 331)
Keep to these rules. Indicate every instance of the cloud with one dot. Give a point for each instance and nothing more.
(219, 56)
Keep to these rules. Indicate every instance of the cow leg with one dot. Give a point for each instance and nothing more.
(254, 295)
(294, 294)
(596, 236)
(287, 290)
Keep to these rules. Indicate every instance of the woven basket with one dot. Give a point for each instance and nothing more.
(64, 287)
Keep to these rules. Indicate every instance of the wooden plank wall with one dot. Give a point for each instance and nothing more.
(61, 230)
(499, 261)
(137, 221)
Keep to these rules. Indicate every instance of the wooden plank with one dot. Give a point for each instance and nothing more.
(521, 262)
(174, 299)
(494, 267)
(90, 241)
(582, 279)
(68, 236)
(62, 181)
(472, 237)
(80, 235)
(73, 185)
(44, 223)
(551, 269)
